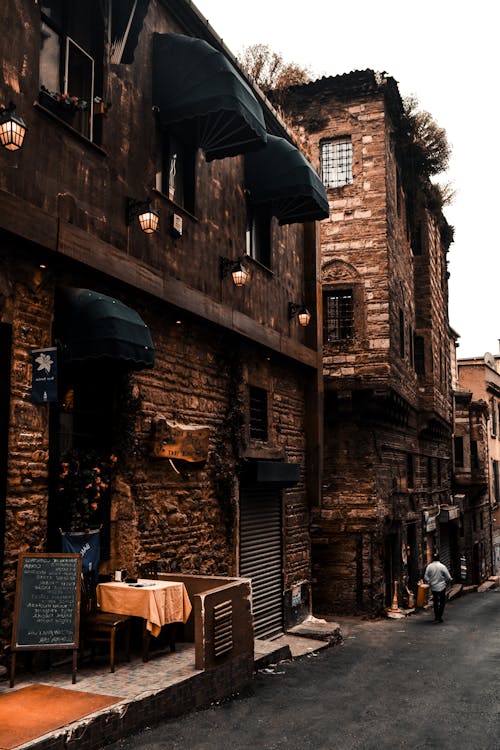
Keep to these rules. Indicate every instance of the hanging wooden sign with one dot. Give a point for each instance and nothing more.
(173, 440)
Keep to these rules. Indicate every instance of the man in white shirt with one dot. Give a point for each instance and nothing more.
(438, 577)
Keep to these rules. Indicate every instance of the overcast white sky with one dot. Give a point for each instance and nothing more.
(444, 52)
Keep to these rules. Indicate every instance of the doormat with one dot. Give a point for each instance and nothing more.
(33, 711)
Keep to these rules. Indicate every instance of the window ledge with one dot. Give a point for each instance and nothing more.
(75, 133)
(258, 264)
(175, 205)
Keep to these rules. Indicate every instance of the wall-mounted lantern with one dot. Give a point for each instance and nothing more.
(238, 271)
(12, 128)
(148, 216)
(302, 313)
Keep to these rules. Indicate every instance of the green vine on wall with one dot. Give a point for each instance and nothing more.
(225, 457)
(127, 440)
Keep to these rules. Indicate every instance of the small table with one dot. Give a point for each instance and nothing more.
(158, 603)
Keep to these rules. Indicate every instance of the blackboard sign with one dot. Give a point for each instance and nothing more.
(47, 613)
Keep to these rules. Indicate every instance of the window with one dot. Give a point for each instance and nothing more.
(178, 171)
(258, 234)
(410, 471)
(459, 452)
(71, 58)
(496, 482)
(493, 413)
(258, 413)
(416, 240)
(401, 333)
(474, 455)
(338, 316)
(429, 472)
(336, 162)
(419, 354)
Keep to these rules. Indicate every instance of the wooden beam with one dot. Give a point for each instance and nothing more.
(27, 221)
(77, 244)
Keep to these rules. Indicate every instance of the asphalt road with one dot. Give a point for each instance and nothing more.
(406, 683)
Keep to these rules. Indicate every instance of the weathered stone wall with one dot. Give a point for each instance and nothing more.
(71, 203)
(27, 304)
(168, 510)
(374, 413)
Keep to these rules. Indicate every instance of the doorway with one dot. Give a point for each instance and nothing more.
(82, 427)
(261, 556)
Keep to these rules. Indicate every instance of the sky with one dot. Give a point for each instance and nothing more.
(446, 54)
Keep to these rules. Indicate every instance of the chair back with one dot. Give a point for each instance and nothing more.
(88, 605)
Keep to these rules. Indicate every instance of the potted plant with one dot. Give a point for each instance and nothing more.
(83, 489)
(65, 106)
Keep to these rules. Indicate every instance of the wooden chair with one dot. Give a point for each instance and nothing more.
(151, 570)
(101, 627)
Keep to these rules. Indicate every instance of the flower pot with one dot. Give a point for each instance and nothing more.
(60, 110)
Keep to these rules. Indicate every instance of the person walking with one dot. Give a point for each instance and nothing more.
(438, 577)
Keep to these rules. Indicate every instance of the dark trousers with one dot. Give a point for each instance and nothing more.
(438, 601)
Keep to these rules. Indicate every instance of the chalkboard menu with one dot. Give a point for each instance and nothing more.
(47, 613)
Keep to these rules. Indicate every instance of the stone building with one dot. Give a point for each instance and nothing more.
(182, 418)
(386, 343)
(477, 463)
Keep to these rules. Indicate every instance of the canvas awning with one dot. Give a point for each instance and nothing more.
(97, 327)
(196, 87)
(281, 177)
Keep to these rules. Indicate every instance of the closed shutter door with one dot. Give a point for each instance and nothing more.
(261, 556)
(444, 546)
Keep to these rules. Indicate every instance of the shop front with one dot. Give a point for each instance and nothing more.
(100, 342)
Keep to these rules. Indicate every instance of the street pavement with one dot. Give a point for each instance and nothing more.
(408, 683)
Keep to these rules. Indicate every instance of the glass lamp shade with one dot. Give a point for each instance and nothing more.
(240, 274)
(149, 220)
(12, 130)
(303, 316)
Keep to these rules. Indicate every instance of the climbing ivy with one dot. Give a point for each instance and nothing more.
(230, 437)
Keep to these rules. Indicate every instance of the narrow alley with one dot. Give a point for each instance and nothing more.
(393, 684)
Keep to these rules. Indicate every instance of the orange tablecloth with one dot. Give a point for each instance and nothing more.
(157, 602)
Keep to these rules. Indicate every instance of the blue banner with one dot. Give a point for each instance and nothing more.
(87, 544)
(44, 375)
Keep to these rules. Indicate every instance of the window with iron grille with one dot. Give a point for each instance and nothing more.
(338, 315)
(258, 413)
(336, 162)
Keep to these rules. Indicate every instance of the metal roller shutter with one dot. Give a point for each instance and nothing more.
(261, 556)
(444, 546)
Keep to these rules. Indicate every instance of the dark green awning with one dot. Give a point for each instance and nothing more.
(281, 177)
(97, 327)
(195, 87)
